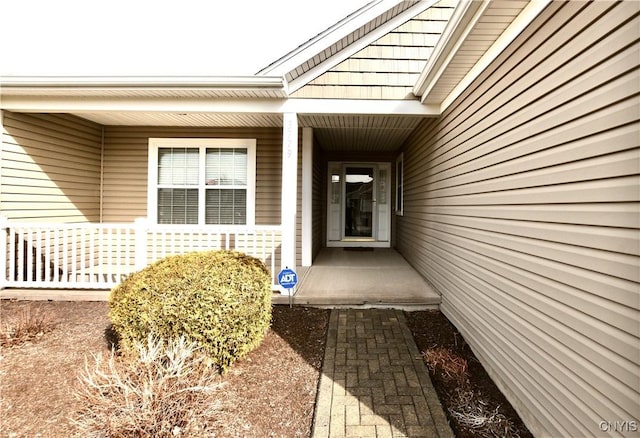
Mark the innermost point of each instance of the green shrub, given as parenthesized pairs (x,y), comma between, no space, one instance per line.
(219,299)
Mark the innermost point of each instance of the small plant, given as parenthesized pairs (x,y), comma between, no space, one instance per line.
(450,365)
(467,407)
(219,299)
(469,410)
(164,391)
(27,324)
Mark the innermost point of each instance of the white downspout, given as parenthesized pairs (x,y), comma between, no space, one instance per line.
(101,174)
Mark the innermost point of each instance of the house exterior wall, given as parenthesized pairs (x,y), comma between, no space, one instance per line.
(126,161)
(50,168)
(521,207)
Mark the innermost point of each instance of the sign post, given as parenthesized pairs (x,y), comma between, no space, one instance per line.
(287,278)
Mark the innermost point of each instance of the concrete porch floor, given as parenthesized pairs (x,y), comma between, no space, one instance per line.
(378,277)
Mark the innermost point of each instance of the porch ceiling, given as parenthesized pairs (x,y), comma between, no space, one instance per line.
(194,119)
(347,133)
(360,133)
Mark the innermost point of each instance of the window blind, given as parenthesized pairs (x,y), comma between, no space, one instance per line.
(221,192)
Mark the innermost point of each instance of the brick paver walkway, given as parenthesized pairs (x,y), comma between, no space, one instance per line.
(374,383)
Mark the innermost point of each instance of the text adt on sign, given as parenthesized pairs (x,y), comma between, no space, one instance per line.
(287,278)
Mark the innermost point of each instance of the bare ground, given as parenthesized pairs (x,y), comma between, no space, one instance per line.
(270,393)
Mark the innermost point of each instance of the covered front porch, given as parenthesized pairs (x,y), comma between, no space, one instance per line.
(88,225)
(349,277)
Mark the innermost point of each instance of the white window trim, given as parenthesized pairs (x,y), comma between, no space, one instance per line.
(399,183)
(202,143)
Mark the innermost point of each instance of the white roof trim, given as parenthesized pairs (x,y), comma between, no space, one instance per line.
(329,37)
(142,82)
(464,18)
(524,19)
(363,42)
(100,104)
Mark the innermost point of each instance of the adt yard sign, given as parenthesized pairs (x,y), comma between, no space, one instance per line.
(287,278)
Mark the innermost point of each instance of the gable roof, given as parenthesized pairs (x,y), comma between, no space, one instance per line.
(475,33)
(387,67)
(344,39)
(341,62)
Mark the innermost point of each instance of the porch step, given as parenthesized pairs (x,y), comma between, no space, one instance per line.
(428,303)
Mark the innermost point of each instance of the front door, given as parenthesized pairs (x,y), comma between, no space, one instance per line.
(358,207)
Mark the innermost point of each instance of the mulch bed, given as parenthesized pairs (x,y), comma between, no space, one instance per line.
(432,329)
(270,393)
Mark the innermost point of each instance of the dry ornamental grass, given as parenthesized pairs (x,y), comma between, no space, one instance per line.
(29,323)
(447,362)
(168,390)
(467,407)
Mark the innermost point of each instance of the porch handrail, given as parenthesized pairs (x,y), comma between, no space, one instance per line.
(100,255)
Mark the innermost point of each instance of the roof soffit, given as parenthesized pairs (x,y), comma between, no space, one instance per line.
(447,75)
(464,18)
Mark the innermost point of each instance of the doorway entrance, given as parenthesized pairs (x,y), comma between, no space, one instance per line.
(358,210)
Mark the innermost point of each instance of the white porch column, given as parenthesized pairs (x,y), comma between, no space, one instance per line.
(307,196)
(289,189)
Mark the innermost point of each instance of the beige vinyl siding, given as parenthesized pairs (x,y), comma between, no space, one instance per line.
(50,168)
(126,160)
(521,206)
(389,67)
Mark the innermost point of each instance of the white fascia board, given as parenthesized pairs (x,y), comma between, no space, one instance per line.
(361,106)
(358,45)
(67,104)
(464,18)
(524,19)
(329,37)
(25,83)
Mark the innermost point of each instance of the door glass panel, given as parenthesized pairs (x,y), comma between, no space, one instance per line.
(359,183)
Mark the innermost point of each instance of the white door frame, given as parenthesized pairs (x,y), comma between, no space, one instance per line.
(336,206)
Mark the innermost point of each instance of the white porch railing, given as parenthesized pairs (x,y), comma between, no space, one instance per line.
(99,256)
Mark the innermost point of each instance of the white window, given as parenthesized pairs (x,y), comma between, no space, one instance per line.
(400,185)
(202,181)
